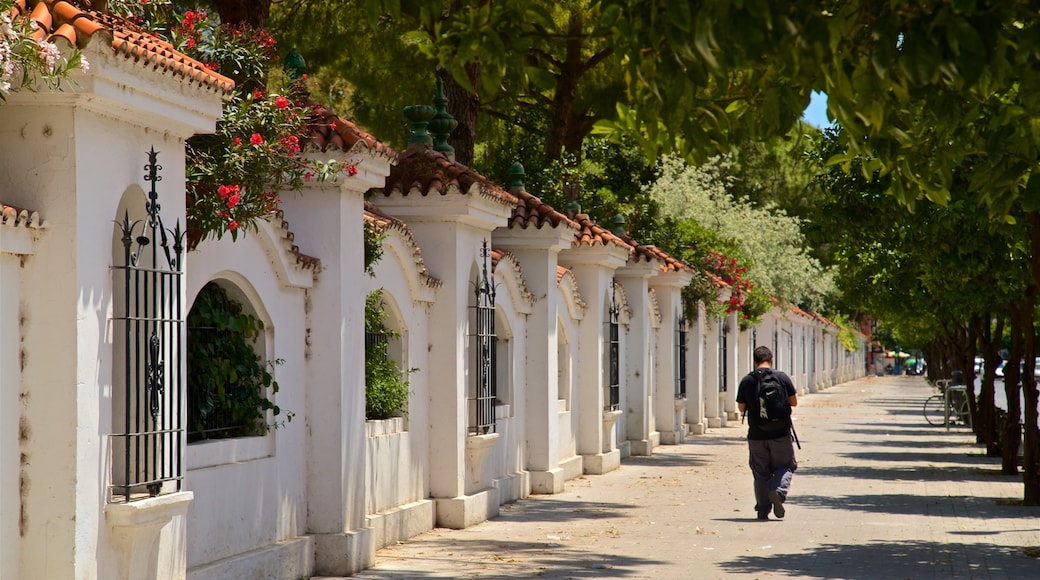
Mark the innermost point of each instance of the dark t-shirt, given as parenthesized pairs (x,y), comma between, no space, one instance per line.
(747,392)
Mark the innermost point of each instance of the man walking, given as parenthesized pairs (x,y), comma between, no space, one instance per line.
(766,396)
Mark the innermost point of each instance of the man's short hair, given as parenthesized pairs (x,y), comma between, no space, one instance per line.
(763,354)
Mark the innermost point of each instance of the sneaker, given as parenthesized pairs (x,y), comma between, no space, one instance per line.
(778,504)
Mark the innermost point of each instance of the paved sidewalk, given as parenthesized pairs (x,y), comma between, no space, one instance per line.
(878,494)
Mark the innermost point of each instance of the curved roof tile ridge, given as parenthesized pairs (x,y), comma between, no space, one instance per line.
(78,26)
(16,216)
(423,171)
(590,233)
(530,210)
(327,130)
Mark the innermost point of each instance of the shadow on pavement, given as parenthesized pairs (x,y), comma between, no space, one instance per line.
(915,473)
(968,458)
(671,460)
(915,505)
(504,559)
(912,443)
(901,430)
(903,559)
(550,509)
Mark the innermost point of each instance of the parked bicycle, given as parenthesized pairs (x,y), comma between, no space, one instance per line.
(935,410)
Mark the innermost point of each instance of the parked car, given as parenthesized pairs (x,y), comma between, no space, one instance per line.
(1021,369)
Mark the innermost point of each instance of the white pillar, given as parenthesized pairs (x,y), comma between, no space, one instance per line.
(593,267)
(636,387)
(336,371)
(538,253)
(670,411)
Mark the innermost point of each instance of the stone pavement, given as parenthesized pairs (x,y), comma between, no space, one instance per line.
(878,494)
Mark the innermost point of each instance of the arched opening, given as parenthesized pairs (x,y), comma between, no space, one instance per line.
(231,383)
(386,380)
(148,334)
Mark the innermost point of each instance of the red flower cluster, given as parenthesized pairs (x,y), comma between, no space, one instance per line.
(732,274)
(231,185)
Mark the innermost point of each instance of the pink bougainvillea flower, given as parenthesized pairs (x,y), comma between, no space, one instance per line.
(233,200)
(223,191)
(232,225)
(256,139)
(281,102)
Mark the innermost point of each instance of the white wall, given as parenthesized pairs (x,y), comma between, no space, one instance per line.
(250,492)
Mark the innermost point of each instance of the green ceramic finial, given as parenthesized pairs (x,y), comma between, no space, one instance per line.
(572,208)
(572,190)
(419,116)
(442,123)
(294,65)
(516,176)
(619,224)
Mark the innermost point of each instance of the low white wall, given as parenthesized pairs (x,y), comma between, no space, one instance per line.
(248,516)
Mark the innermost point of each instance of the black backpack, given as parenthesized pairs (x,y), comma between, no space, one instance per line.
(774,408)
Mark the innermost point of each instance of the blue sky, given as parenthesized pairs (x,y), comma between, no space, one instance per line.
(816,113)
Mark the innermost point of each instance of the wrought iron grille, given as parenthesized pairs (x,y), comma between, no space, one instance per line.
(723,355)
(377,344)
(482,401)
(613,395)
(147,447)
(680,358)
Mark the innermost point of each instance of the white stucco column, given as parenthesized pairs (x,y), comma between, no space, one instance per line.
(71,156)
(636,387)
(537,250)
(713,411)
(670,411)
(733,369)
(593,267)
(334,215)
(695,363)
(451,227)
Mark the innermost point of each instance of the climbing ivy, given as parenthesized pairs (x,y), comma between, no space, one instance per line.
(228,382)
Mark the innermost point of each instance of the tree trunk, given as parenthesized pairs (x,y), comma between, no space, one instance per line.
(984,421)
(251,12)
(464,106)
(1012,428)
(1031,452)
(566,91)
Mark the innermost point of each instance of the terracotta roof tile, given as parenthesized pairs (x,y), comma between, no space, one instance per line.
(422,170)
(61,19)
(326,129)
(668,262)
(16,216)
(590,233)
(532,211)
